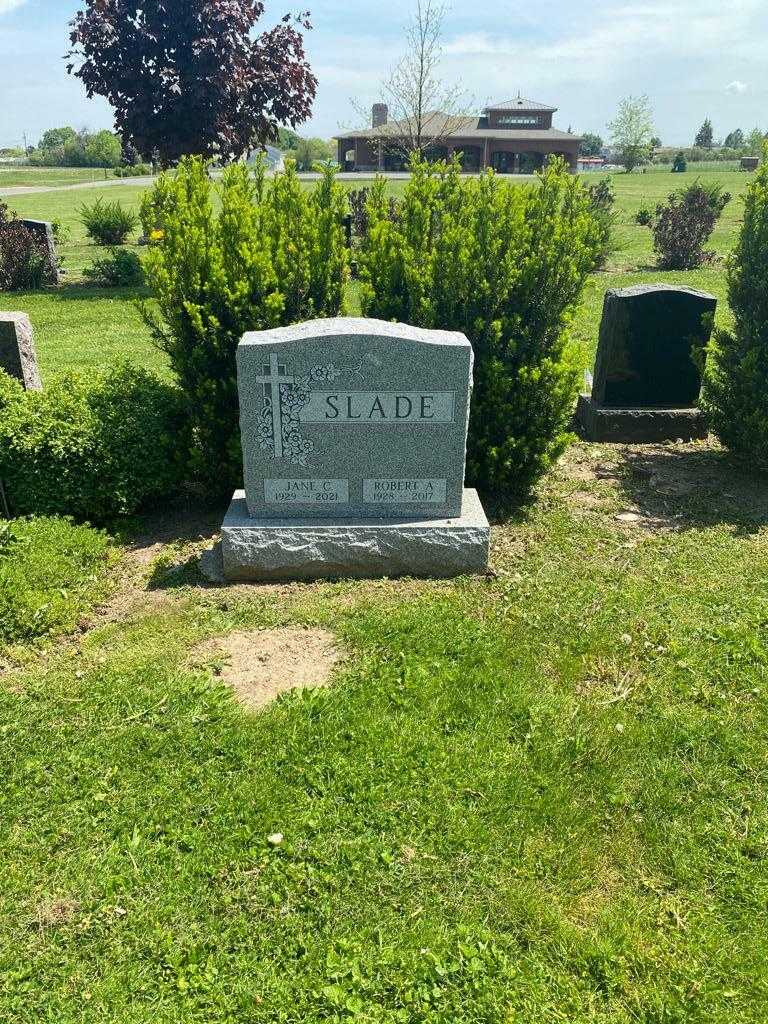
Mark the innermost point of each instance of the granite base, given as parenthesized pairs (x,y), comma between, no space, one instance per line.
(307,549)
(638,425)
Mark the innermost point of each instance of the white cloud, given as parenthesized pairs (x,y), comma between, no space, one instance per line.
(473,43)
(736,87)
(9,5)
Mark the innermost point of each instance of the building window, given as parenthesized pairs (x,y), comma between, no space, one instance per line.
(516,121)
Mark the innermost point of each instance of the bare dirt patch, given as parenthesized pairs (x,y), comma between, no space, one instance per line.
(260,664)
(55,912)
(664,487)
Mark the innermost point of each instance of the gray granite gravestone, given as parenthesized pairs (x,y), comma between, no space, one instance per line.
(43,231)
(354,439)
(17,350)
(649,365)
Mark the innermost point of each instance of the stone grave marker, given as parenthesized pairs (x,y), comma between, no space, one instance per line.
(43,231)
(17,350)
(354,440)
(649,365)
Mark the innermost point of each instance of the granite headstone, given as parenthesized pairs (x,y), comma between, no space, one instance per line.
(649,364)
(17,350)
(354,440)
(43,232)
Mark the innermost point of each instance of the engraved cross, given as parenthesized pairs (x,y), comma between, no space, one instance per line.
(274,376)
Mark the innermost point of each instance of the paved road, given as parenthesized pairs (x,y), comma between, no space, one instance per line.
(26,190)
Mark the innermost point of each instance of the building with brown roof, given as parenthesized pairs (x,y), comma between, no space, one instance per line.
(514,137)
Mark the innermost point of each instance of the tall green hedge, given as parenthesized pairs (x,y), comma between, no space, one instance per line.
(506,265)
(272,254)
(736,395)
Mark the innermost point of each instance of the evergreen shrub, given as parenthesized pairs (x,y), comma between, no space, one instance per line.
(108,223)
(273,254)
(121,269)
(736,393)
(506,265)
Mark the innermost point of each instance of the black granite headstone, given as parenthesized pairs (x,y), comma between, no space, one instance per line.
(651,348)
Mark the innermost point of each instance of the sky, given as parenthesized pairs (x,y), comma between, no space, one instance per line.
(693,58)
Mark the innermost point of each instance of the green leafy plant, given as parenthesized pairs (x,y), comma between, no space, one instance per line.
(108,223)
(133,171)
(23,256)
(736,395)
(121,269)
(644,217)
(602,200)
(271,255)
(682,226)
(506,265)
(91,447)
(679,164)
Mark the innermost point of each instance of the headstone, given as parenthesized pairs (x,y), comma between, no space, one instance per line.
(43,231)
(649,365)
(17,350)
(354,440)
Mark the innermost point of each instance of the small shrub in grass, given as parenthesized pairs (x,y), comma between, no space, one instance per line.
(91,447)
(682,226)
(51,572)
(121,269)
(644,217)
(108,223)
(736,395)
(602,200)
(23,255)
(679,164)
(270,256)
(506,265)
(133,171)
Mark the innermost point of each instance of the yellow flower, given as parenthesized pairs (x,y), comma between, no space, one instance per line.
(157,234)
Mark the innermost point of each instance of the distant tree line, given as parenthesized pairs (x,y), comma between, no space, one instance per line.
(742,144)
(65,147)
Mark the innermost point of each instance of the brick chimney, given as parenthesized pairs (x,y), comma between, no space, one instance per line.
(379,114)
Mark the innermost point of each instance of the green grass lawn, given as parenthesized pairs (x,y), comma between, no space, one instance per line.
(13,175)
(533,797)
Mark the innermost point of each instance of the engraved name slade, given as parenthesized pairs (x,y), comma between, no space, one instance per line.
(379,407)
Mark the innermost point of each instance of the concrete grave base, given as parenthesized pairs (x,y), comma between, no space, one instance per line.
(306,549)
(638,425)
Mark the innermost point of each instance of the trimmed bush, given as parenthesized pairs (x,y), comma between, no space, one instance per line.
(51,572)
(133,171)
(92,447)
(273,255)
(506,265)
(23,255)
(108,223)
(736,393)
(602,200)
(121,269)
(682,226)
